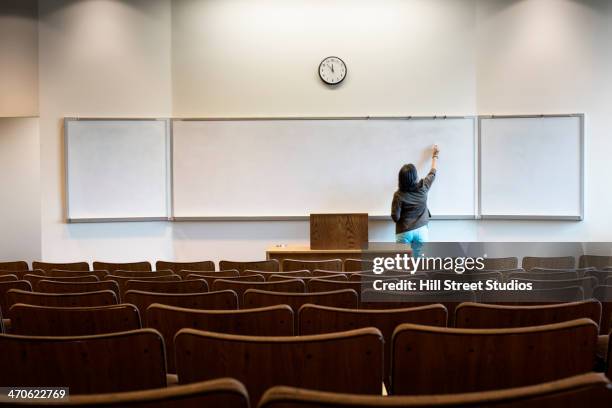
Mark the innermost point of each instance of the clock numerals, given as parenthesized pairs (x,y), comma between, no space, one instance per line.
(332,70)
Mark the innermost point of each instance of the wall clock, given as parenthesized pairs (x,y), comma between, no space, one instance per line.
(332,70)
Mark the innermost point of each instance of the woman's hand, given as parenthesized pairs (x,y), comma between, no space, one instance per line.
(436,151)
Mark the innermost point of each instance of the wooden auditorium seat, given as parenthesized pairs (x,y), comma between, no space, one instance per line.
(500,264)
(320,273)
(8,285)
(339,298)
(554,262)
(182,286)
(271,265)
(50,286)
(587,284)
(325,265)
(586,390)
(349,361)
(313,319)
(597,261)
(125,361)
(557,275)
(71,266)
(122,280)
(468,276)
(8,278)
(111,267)
(357,265)
(266,321)
(435,360)
(535,296)
(601,276)
(267,275)
(211,277)
(485,316)
(15,266)
(225,299)
(183,273)
(34,279)
(176,267)
(223,392)
(328,285)
(87,299)
(61,273)
(306,278)
(289,285)
(603,293)
(142,274)
(29,320)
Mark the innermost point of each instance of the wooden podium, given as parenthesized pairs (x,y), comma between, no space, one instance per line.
(338,231)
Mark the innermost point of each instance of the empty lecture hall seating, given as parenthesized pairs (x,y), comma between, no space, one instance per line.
(330,284)
(35,279)
(290,285)
(222,392)
(346,298)
(5,286)
(222,300)
(267,321)
(558,262)
(306,278)
(315,319)
(484,316)
(125,361)
(325,265)
(176,267)
(31,320)
(123,280)
(586,390)
(182,286)
(87,299)
(15,266)
(436,360)
(125,266)
(62,273)
(271,265)
(51,286)
(72,266)
(267,275)
(211,277)
(8,278)
(349,361)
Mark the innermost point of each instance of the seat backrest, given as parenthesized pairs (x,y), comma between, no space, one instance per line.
(225,299)
(484,316)
(34,279)
(14,266)
(328,285)
(349,361)
(587,284)
(111,267)
(324,264)
(49,286)
(267,321)
(267,275)
(87,299)
(8,285)
(532,297)
(71,266)
(223,392)
(183,273)
(142,274)
(315,319)
(21,274)
(559,275)
(597,261)
(603,293)
(434,360)
(125,361)
(551,262)
(500,264)
(346,298)
(54,273)
(319,273)
(29,320)
(289,285)
(305,278)
(210,278)
(601,276)
(468,276)
(271,265)
(356,265)
(8,278)
(182,286)
(176,267)
(585,390)
(122,280)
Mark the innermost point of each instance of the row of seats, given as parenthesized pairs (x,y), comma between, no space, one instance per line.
(528,263)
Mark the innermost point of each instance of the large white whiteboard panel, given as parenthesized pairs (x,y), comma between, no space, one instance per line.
(286,168)
(117,169)
(532,167)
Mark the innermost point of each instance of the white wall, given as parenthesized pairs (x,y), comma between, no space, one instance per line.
(18,58)
(259,57)
(20,192)
(99,58)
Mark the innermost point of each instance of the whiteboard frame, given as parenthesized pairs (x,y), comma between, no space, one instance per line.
(169,209)
(579,217)
(377,217)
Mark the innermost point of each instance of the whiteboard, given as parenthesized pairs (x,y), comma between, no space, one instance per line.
(532,167)
(117,169)
(293,167)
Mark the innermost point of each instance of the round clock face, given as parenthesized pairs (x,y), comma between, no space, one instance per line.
(332,70)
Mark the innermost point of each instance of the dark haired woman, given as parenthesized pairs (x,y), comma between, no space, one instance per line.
(409,208)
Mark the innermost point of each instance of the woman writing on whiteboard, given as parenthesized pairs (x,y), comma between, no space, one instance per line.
(409,207)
